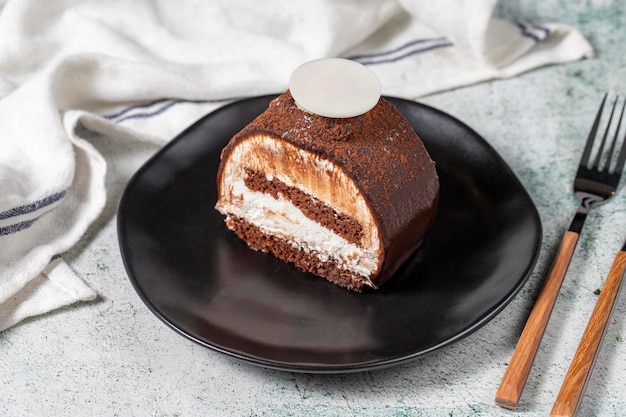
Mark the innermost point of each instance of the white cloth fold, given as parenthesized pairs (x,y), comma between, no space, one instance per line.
(147,68)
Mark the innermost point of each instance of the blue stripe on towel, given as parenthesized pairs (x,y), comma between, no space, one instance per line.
(133,107)
(414,47)
(29,208)
(543,29)
(122,115)
(33,209)
(530,31)
(14,228)
(149,114)
(398,49)
(148,110)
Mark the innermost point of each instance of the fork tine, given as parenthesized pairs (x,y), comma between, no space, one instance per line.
(596,164)
(584,160)
(615,136)
(619,166)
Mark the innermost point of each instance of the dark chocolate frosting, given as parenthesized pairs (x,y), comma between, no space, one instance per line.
(384,156)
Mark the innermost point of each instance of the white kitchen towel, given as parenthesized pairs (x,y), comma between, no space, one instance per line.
(145,69)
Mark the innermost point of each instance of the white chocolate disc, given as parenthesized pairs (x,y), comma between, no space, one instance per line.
(335,87)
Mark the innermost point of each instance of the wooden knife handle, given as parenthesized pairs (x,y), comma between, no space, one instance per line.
(517,371)
(575,382)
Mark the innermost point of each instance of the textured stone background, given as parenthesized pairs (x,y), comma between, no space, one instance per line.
(112,357)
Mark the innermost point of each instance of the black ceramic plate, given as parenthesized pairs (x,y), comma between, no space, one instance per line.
(203,282)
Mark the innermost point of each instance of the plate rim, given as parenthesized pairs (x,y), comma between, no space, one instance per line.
(332,368)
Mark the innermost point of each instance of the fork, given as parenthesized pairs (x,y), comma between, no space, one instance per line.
(595,183)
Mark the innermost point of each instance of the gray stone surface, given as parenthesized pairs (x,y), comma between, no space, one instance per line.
(112,357)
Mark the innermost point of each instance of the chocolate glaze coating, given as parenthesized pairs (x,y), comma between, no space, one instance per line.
(381,152)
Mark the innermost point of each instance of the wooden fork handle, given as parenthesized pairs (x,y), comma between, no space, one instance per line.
(575,382)
(517,371)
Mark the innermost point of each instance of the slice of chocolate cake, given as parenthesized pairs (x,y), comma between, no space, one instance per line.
(346,198)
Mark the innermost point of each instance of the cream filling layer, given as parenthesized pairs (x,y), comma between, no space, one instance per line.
(280,218)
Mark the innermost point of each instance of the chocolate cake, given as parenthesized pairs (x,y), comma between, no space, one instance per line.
(348,199)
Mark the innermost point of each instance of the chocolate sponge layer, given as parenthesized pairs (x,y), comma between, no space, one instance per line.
(345,226)
(286,252)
